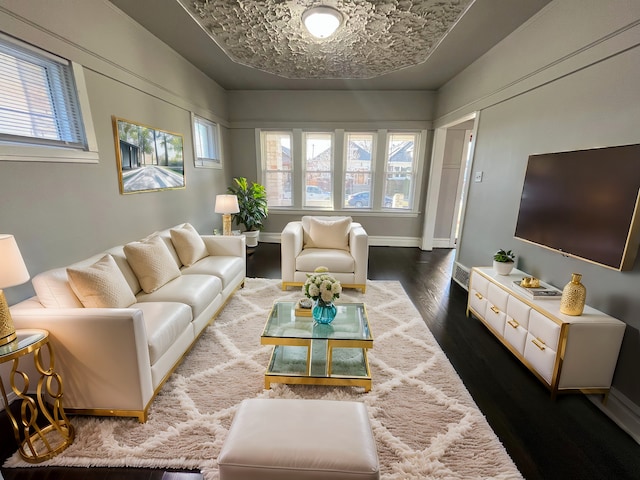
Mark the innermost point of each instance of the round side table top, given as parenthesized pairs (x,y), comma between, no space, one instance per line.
(28,340)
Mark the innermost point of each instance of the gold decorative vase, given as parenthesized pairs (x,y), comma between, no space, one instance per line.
(574,295)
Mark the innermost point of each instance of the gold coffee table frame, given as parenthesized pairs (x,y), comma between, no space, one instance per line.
(45,429)
(349,330)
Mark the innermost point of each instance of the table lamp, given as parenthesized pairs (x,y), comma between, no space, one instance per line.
(13,272)
(226,204)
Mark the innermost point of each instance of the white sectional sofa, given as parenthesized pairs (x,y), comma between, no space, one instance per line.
(122,320)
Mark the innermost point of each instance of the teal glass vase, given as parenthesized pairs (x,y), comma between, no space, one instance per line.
(323,312)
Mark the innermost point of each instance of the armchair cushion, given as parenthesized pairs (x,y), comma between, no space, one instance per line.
(337,261)
(327,232)
(152,263)
(101,285)
(188,244)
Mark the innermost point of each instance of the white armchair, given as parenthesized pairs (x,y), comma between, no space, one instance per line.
(333,242)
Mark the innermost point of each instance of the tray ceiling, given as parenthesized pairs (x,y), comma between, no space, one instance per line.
(382,44)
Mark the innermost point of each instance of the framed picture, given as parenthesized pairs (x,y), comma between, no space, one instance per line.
(149,159)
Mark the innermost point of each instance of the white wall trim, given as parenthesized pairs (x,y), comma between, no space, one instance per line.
(442,243)
(374,241)
(42,37)
(11,397)
(599,50)
(335,125)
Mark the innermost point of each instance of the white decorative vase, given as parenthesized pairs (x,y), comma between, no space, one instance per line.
(252,238)
(503,268)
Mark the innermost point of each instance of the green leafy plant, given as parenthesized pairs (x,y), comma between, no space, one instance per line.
(252,202)
(504,256)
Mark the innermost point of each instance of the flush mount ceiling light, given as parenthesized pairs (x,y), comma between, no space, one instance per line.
(322,22)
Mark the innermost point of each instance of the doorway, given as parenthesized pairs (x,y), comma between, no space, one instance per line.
(451,162)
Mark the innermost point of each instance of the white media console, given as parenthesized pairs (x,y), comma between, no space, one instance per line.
(566,353)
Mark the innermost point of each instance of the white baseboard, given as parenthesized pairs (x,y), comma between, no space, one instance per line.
(376,241)
(621,410)
(442,243)
(11,397)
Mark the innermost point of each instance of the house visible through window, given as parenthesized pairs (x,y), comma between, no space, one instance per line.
(277,167)
(38,100)
(400,169)
(318,170)
(358,176)
(206,140)
(299,168)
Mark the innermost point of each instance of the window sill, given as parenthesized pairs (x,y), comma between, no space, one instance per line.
(345,212)
(25,153)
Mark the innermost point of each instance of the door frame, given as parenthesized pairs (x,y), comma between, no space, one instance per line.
(435,177)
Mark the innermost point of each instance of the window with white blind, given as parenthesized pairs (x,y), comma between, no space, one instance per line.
(207,144)
(39,103)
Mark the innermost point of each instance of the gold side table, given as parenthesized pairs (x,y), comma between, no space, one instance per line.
(43,425)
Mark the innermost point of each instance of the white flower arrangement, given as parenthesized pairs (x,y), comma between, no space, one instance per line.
(321,285)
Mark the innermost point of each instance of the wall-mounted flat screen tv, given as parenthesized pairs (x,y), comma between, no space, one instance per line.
(584,204)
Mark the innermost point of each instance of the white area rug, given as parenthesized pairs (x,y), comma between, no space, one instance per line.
(425,422)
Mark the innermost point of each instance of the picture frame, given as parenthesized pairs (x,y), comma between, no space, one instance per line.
(149,159)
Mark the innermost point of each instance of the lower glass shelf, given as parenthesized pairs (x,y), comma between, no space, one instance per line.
(345,362)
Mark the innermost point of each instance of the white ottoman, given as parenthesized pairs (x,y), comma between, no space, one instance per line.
(281,439)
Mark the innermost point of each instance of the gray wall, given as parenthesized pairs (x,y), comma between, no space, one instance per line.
(331,110)
(567,80)
(62,212)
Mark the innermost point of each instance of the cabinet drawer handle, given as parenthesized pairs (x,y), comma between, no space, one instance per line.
(479,296)
(495,309)
(513,323)
(538,343)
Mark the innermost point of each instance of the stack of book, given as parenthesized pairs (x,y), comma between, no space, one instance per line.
(539,293)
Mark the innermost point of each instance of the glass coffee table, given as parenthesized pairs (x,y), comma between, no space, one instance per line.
(313,354)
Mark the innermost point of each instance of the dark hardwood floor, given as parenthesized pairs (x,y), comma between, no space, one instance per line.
(569,438)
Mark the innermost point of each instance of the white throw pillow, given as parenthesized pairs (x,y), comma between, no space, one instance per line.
(329,233)
(152,263)
(101,285)
(189,244)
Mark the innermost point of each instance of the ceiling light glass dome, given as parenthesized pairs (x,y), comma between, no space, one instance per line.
(322,22)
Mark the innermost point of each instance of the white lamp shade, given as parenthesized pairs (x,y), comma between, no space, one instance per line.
(13,271)
(322,22)
(226,204)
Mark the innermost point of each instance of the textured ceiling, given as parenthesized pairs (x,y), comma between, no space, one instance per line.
(257,46)
(376,37)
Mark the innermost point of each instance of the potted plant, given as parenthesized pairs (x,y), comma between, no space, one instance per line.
(503,261)
(252,202)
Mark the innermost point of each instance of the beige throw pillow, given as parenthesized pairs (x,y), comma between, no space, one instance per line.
(101,285)
(189,244)
(152,263)
(324,233)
